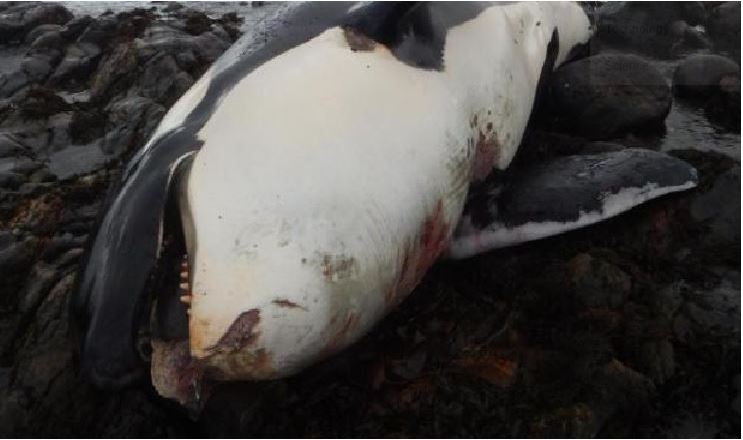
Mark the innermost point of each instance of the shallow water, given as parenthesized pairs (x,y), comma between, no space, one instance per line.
(251,14)
(688,128)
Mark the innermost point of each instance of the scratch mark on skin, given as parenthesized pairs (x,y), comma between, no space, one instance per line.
(420,256)
(338,339)
(288,304)
(240,334)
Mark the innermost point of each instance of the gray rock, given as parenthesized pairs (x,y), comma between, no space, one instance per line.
(657,360)
(16,21)
(724,26)
(75,27)
(28,189)
(608,95)
(114,72)
(719,208)
(723,107)
(11,180)
(77,65)
(20,165)
(38,66)
(130,121)
(597,283)
(12,82)
(38,31)
(649,27)
(699,76)
(76,160)
(99,31)
(14,253)
(9,146)
(162,81)
(59,128)
(40,281)
(68,258)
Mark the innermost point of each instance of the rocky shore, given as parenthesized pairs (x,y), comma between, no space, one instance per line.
(628,328)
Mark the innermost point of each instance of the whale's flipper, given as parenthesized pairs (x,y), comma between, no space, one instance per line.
(111,301)
(564,194)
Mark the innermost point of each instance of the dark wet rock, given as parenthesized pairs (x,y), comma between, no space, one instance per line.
(196,22)
(12,82)
(131,24)
(21,18)
(597,283)
(115,69)
(724,26)
(21,165)
(699,76)
(75,27)
(172,7)
(11,180)
(99,31)
(131,120)
(15,253)
(41,279)
(40,103)
(719,208)
(645,342)
(38,67)
(59,127)
(659,28)
(44,29)
(9,146)
(723,107)
(656,358)
(163,81)
(607,95)
(77,160)
(87,126)
(77,65)
(711,312)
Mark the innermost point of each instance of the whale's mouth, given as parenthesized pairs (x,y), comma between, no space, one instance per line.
(163,337)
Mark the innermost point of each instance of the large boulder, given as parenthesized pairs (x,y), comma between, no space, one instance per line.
(699,76)
(17,20)
(659,28)
(711,82)
(608,95)
(724,26)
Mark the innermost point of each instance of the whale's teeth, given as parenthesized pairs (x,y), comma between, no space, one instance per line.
(184,286)
(186,299)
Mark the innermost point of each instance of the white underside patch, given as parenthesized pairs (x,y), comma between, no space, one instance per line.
(472,241)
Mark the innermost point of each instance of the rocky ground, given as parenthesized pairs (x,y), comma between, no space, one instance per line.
(628,328)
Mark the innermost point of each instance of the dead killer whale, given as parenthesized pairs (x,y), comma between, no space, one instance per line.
(304,185)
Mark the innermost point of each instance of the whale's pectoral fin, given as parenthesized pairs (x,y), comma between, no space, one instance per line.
(111,302)
(564,194)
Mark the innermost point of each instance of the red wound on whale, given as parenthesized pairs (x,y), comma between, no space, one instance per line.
(240,333)
(418,257)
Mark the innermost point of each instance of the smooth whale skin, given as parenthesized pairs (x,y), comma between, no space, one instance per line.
(320,167)
(332,177)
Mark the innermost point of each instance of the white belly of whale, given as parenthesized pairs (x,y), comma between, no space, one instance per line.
(331,179)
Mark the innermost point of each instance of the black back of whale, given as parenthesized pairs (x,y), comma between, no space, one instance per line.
(112,298)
